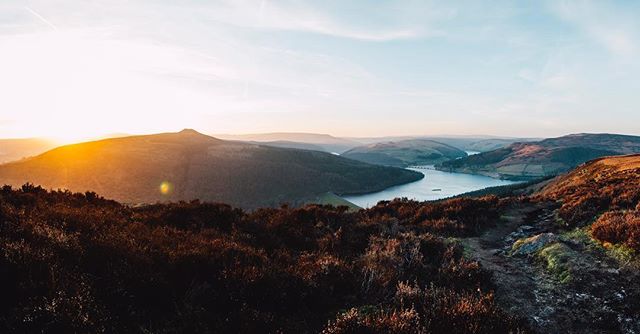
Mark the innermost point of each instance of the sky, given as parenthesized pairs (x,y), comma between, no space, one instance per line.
(73,69)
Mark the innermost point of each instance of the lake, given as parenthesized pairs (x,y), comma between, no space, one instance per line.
(434,185)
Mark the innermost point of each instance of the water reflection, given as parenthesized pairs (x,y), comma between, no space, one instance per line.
(435,185)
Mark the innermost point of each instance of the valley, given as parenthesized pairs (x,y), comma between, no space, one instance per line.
(195,166)
(539,258)
(404,153)
(434,186)
(319,167)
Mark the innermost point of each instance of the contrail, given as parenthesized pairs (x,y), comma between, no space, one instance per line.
(41,18)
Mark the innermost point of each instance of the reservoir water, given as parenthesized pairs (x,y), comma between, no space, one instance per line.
(434,185)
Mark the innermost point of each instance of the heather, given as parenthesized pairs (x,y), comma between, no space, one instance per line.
(75,262)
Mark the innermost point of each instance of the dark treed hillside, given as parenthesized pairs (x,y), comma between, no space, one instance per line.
(195,166)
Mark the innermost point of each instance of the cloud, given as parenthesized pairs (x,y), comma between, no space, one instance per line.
(41,18)
(301,64)
(615,28)
(300,17)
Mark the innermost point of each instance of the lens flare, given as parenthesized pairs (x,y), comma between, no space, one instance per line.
(165,188)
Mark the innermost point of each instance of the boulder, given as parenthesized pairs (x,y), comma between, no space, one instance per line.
(532,244)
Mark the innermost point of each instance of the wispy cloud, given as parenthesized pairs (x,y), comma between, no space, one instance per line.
(304,65)
(41,18)
(615,28)
(301,17)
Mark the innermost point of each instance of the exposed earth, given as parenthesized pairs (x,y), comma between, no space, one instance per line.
(563,282)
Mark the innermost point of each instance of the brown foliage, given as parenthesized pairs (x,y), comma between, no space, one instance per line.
(80,263)
(428,310)
(458,216)
(618,227)
(590,190)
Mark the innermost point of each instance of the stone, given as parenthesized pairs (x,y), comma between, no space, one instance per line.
(532,244)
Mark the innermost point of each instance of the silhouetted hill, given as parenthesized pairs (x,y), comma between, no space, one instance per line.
(16,149)
(326,142)
(405,153)
(195,166)
(544,158)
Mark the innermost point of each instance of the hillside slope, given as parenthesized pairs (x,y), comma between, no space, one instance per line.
(78,263)
(544,158)
(405,153)
(189,165)
(610,183)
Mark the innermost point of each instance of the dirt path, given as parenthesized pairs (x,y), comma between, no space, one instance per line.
(599,298)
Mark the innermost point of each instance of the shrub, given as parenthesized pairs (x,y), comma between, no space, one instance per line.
(80,263)
(618,227)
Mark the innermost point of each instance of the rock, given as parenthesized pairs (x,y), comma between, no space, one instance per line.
(533,244)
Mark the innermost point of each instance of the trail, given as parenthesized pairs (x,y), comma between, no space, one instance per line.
(600,298)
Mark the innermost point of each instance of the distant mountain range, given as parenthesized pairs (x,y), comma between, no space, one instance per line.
(475,143)
(551,156)
(328,143)
(405,153)
(299,140)
(16,149)
(189,165)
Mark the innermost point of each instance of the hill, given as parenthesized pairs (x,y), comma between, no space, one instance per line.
(405,153)
(605,184)
(311,141)
(16,149)
(293,144)
(486,145)
(562,260)
(188,165)
(474,143)
(77,263)
(544,158)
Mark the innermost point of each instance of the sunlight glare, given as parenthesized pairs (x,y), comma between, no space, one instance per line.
(165,188)
(71,86)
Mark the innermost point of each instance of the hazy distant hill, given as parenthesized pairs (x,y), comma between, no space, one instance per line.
(547,157)
(486,145)
(405,153)
(477,143)
(292,144)
(132,169)
(325,142)
(15,149)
